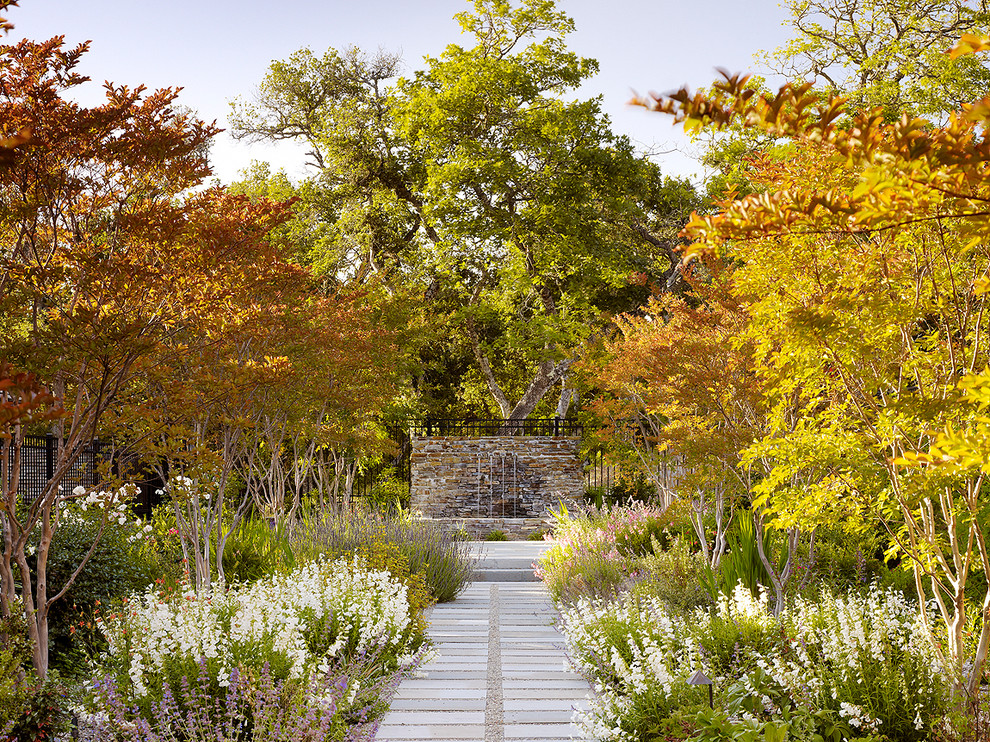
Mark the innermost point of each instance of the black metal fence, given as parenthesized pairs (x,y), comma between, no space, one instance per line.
(398,464)
(553,426)
(39,457)
(601,474)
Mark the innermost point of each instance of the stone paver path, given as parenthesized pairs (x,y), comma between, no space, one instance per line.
(498,675)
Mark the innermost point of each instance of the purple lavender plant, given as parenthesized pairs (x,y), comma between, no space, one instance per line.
(343,705)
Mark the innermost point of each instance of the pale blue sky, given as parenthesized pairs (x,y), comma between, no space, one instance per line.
(219,49)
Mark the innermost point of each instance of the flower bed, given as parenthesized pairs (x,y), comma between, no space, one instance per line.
(333,632)
(847,665)
(642,614)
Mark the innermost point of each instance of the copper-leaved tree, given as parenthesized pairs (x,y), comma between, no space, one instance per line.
(118,281)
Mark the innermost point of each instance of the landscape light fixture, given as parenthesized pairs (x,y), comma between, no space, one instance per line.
(699,678)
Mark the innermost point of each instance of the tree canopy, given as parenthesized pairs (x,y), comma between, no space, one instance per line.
(478,188)
(160,314)
(887,53)
(866,259)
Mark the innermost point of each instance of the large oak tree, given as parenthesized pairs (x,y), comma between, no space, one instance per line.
(513,213)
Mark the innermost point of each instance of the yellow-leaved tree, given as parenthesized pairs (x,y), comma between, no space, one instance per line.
(866,251)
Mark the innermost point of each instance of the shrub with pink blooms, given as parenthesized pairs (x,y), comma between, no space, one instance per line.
(593,554)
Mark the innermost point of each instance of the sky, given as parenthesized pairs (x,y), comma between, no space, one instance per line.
(218,50)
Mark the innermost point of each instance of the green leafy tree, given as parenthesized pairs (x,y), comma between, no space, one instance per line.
(517,215)
(886,53)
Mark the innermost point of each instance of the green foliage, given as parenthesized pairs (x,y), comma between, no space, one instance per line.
(121,564)
(496,535)
(741,564)
(389,492)
(164,539)
(596,496)
(394,559)
(30,709)
(733,639)
(257,547)
(570,576)
(891,55)
(44,714)
(674,575)
(759,709)
(477,183)
(15,657)
(625,490)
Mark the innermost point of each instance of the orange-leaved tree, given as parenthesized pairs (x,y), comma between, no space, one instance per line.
(84,291)
(117,282)
(681,381)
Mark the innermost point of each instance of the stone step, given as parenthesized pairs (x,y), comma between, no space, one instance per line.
(507,561)
(483,573)
(522,562)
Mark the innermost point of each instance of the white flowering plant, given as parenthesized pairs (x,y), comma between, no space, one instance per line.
(118,565)
(759,708)
(858,665)
(298,627)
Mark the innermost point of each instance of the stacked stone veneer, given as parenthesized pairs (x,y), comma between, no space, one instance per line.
(508,483)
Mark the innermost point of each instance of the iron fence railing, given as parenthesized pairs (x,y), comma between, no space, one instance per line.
(39,457)
(601,474)
(553,426)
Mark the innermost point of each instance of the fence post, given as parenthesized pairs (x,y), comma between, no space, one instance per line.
(49,456)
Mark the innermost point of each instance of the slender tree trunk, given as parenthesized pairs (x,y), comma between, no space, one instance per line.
(567,395)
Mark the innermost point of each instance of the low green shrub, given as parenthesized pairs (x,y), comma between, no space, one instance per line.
(389,493)
(256,548)
(15,656)
(496,535)
(44,715)
(122,563)
(674,576)
(759,708)
(596,552)
(30,709)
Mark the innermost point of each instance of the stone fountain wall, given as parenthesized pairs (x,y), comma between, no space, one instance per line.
(508,483)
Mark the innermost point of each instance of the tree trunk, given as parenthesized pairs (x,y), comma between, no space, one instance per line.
(567,395)
(547,375)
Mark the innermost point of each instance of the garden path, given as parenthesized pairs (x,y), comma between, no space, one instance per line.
(498,675)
